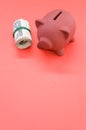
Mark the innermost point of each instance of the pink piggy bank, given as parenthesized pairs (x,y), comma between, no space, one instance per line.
(55,31)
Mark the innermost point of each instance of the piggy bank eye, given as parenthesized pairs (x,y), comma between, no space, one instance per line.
(57,15)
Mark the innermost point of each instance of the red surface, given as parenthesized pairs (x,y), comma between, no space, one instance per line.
(39,90)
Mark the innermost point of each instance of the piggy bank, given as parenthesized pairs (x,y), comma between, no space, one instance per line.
(55,31)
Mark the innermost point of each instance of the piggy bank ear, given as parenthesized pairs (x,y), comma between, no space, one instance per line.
(38,23)
(65,32)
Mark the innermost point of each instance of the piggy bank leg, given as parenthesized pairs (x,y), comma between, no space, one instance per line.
(60,52)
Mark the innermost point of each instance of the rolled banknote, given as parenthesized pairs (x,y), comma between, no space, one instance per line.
(22,34)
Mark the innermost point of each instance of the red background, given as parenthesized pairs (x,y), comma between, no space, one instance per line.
(39,90)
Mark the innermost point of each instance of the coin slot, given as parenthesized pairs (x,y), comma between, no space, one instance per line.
(57,15)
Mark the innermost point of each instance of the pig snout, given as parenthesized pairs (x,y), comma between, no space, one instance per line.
(44,43)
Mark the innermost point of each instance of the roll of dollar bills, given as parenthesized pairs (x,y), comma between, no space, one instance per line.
(22,34)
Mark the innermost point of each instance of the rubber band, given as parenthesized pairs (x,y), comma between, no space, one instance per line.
(20,28)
